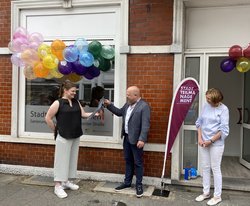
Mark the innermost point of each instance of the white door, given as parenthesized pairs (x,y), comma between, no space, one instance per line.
(245,132)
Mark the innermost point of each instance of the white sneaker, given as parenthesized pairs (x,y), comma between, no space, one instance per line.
(214,201)
(70,185)
(59,191)
(202,197)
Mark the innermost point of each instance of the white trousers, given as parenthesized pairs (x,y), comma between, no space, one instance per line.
(66,158)
(211,159)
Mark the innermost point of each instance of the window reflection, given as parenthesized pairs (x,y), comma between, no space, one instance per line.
(190,149)
(192,69)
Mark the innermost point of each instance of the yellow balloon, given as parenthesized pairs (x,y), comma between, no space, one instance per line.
(50,61)
(55,73)
(243,64)
(49,76)
(43,50)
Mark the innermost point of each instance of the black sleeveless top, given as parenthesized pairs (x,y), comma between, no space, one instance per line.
(69,119)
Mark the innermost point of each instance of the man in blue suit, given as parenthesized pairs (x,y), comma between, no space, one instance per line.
(135,127)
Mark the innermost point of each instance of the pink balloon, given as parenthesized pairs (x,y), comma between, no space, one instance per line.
(16,60)
(20,32)
(34,45)
(18,44)
(36,37)
(30,56)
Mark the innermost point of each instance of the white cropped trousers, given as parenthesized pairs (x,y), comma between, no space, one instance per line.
(211,159)
(66,158)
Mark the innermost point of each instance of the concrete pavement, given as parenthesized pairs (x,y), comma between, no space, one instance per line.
(20,190)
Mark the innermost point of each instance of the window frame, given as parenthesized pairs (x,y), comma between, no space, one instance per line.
(120,76)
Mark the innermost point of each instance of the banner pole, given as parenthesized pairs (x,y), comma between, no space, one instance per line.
(168,131)
(170,121)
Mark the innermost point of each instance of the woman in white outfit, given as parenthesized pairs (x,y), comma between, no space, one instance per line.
(213,128)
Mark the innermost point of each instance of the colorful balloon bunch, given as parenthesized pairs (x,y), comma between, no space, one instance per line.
(40,60)
(238,58)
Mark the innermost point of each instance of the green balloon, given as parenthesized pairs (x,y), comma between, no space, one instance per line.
(104,64)
(95,48)
(108,52)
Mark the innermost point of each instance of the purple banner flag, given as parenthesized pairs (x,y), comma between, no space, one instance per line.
(183,98)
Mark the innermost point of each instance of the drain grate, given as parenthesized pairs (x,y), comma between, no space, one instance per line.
(161,193)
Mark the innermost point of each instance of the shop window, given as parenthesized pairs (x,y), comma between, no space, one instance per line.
(32,98)
(41,93)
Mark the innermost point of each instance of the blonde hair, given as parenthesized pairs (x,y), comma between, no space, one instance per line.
(215,95)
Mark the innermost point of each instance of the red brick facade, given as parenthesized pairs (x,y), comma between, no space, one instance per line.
(149,24)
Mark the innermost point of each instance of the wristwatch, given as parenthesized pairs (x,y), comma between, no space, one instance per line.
(211,141)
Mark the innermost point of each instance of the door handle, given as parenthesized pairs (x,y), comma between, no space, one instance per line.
(240,115)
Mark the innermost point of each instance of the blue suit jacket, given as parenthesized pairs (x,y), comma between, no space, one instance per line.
(139,121)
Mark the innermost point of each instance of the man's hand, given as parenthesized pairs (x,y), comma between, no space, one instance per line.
(140,144)
(106,102)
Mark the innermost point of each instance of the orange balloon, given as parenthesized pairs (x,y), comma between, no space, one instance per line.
(40,71)
(57,47)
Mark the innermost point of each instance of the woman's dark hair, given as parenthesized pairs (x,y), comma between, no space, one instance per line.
(65,85)
(97,94)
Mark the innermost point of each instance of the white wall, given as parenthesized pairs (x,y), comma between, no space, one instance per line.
(217,27)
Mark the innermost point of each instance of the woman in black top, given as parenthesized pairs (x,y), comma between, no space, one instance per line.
(68,112)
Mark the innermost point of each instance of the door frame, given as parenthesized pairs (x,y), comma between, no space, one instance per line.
(204,81)
(246,126)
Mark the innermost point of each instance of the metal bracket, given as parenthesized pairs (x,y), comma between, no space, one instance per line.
(67,4)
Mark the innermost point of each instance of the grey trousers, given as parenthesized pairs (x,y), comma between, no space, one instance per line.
(66,158)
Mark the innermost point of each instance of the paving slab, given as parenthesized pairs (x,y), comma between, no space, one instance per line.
(14,191)
(42,181)
(110,187)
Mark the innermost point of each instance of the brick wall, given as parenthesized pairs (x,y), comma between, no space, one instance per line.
(153,74)
(5,94)
(150,23)
(90,159)
(5,22)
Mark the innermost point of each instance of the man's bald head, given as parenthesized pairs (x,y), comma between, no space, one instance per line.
(133,94)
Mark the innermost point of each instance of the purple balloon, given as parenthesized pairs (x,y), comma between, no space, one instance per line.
(88,76)
(65,67)
(78,68)
(227,65)
(70,53)
(94,71)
